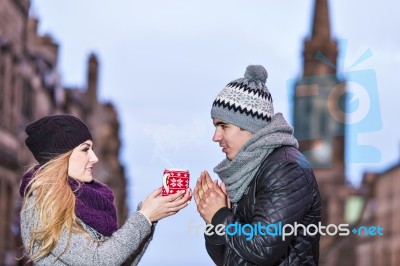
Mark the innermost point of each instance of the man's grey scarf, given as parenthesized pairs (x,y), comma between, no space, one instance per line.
(238,173)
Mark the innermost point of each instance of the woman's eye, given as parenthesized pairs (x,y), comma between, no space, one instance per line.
(85,150)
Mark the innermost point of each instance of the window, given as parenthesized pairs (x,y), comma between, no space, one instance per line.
(5,211)
(27,100)
(2,78)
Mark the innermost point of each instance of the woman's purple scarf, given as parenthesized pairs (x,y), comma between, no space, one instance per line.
(94,203)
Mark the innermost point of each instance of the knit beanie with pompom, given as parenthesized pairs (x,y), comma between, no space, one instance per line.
(245,102)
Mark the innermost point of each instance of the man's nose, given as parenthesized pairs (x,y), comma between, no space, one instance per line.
(217,136)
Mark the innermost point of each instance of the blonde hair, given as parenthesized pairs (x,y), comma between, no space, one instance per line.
(55,203)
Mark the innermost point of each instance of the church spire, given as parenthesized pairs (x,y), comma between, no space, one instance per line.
(321,27)
(319,115)
(320,51)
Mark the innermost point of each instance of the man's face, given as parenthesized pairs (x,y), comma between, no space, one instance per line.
(230,137)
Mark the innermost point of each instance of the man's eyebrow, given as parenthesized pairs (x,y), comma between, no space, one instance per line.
(220,123)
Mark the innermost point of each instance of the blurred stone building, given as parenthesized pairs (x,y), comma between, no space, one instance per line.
(382,204)
(30,87)
(319,124)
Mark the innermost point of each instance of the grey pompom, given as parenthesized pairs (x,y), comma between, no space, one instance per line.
(256,73)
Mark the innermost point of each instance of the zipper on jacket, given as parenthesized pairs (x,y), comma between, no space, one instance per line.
(234,207)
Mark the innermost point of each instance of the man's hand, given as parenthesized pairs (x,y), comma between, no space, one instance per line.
(203,183)
(223,188)
(211,201)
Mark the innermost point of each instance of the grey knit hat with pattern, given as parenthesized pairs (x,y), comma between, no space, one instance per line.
(245,102)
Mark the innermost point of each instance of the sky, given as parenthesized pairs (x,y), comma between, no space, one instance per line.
(162,63)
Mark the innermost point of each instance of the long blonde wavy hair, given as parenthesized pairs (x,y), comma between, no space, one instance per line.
(55,203)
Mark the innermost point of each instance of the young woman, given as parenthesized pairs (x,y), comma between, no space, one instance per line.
(68,218)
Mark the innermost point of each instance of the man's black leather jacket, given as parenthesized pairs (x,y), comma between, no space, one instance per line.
(284,191)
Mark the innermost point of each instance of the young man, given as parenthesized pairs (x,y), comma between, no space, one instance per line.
(268,186)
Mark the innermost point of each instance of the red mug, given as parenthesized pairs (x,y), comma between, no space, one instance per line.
(175,180)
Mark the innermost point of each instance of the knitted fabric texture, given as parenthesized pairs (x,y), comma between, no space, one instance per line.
(54,135)
(238,173)
(125,247)
(245,102)
(94,203)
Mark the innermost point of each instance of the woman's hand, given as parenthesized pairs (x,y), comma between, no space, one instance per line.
(156,207)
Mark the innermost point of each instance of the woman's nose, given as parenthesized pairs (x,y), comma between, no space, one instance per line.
(93,158)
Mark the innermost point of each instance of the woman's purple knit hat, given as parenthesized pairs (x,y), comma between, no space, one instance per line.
(54,135)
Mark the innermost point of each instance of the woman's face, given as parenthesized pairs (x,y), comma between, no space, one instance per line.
(81,162)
